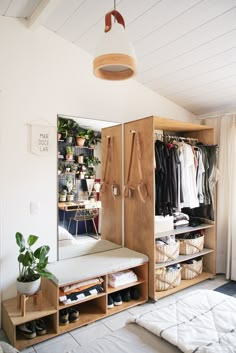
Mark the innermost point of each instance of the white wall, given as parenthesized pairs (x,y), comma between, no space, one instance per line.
(41,76)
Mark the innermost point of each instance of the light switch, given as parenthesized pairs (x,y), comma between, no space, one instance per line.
(34,208)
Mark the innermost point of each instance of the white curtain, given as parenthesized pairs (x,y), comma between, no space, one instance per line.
(225,133)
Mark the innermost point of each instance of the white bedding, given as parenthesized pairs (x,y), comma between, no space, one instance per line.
(202,322)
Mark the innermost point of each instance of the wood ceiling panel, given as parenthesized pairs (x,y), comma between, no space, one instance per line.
(62,14)
(215,46)
(83,19)
(183,24)
(203,36)
(22,8)
(171,84)
(4,4)
(158,16)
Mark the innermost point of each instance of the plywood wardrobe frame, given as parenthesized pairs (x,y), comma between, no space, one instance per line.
(139,216)
(112,206)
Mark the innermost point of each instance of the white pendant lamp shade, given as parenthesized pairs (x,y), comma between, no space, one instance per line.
(115,56)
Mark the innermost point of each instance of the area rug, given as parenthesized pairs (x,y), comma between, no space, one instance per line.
(228,288)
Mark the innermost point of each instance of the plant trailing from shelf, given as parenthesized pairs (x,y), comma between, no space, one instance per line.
(93,138)
(61,128)
(32,264)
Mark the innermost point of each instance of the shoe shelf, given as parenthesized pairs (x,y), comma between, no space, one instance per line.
(116,289)
(91,308)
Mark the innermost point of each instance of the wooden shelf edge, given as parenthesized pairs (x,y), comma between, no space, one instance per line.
(182,230)
(182,258)
(22,343)
(185,283)
(84,300)
(117,289)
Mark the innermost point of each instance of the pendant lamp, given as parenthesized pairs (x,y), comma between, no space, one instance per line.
(115,56)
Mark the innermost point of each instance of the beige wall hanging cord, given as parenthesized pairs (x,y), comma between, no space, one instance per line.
(141,186)
(115,189)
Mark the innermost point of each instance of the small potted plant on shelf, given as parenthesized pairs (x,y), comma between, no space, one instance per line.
(72,130)
(32,264)
(70,196)
(92,161)
(93,138)
(81,137)
(61,128)
(62,195)
(69,153)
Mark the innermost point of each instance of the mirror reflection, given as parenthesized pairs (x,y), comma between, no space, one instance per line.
(79,178)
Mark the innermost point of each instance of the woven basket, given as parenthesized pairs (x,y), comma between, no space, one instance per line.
(190,271)
(167,252)
(167,279)
(191,246)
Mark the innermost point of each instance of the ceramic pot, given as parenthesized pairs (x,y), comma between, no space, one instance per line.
(80,141)
(28,288)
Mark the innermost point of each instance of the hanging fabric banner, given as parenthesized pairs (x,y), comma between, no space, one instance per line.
(41,136)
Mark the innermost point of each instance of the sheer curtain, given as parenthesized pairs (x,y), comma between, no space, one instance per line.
(225,130)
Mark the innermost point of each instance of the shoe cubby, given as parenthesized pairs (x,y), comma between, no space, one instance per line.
(91,307)
(12,317)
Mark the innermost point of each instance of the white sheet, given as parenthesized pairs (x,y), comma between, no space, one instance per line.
(202,322)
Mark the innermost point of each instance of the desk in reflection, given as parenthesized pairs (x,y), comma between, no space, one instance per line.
(83,211)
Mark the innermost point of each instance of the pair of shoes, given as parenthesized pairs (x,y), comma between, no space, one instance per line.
(68,315)
(114,299)
(32,329)
(130,293)
(135,293)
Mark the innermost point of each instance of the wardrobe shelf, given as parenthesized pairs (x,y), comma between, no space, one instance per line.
(182,230)
(182,258)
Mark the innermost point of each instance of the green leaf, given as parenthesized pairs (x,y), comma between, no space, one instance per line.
(20,241)
(32,239)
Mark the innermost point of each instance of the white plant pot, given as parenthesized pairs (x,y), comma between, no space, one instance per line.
(28,288)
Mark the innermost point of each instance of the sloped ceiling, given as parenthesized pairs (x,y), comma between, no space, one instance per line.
(186,49)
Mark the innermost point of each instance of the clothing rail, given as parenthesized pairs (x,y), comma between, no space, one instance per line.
(176,137)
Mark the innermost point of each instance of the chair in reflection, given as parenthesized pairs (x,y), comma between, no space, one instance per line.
(84,215)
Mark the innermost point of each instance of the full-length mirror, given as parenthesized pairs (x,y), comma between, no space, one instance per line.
(84,160)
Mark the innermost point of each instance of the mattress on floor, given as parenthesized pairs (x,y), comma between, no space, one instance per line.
(130,339)
(204,321)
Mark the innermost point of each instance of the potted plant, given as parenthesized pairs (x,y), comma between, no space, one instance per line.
(92,161)
(70,196)
(69,153)
(93,138)
(61,128)
(72,128)
(81,137)
(32,264)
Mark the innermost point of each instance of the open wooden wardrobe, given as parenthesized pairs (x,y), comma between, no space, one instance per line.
(195,259)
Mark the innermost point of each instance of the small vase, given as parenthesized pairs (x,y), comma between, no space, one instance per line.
(28,288)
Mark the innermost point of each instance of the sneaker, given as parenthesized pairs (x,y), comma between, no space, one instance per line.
(135,293)
(117,298)
(40,327)
(73,315)
(27,330)
(125,295)
(110,303)
(64,317)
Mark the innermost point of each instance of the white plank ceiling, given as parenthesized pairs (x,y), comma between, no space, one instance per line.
(186,49)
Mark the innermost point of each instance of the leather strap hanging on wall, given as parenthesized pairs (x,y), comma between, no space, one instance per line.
(115,189)
(139,184)
(117,16)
